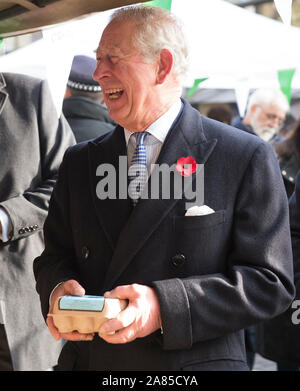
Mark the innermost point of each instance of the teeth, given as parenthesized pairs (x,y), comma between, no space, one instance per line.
(113,90)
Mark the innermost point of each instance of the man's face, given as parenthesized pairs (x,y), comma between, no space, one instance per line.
(128,82)
(266,120)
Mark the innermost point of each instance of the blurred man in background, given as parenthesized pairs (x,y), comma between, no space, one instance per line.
(82,106)
(265,113)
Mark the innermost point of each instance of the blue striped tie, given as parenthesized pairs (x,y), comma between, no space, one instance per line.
(137,172)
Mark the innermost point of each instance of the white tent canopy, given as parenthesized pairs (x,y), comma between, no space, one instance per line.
(236,49)
(231,46)
(228,40)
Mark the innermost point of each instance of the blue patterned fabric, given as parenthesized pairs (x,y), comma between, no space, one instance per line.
(137,172)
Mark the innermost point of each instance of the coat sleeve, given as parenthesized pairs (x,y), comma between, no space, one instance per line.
(28,211)
(258,282)
(55,264)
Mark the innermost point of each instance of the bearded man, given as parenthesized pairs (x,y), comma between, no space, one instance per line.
(265,114)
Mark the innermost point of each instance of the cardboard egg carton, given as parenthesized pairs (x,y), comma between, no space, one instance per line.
(84,314)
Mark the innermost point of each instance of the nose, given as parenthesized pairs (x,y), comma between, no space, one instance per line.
(275,122)
(96,73)
(101,70)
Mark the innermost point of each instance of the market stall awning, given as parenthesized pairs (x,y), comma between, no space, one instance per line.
(25,16)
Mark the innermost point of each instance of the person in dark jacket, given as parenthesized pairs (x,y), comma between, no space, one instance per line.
(288,154)
(82,106)
(265,112)
(278,338)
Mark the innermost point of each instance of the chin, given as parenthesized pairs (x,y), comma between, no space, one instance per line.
(266,135)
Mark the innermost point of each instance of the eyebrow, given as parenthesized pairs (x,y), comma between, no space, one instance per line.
(115,49)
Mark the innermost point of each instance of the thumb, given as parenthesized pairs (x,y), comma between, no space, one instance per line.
(73,288)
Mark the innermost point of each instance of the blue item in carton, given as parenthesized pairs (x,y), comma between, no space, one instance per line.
(82,303)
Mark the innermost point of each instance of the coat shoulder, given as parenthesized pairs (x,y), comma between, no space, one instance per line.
(81,149)
(231,141)
(24,91)
(228,133)
(18,80)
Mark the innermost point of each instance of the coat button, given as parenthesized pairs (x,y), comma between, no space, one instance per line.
(178,260)
(21,231)
(85,252)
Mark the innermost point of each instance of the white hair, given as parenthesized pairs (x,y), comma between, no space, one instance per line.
(265,96)
(156,29)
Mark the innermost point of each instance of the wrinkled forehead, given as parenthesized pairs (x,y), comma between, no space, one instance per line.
(273,108)
(117,37)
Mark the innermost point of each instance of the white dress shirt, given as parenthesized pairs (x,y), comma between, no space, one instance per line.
(158,131)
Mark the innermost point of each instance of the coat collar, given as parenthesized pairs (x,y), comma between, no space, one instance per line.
(125,227)
(3,94)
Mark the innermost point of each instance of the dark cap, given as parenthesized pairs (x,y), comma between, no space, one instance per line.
(81,75)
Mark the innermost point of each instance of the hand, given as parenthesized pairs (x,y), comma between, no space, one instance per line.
(140,318)
(72,288)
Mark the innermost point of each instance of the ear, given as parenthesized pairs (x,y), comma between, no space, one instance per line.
(165,65)
(67,93)
(253,108)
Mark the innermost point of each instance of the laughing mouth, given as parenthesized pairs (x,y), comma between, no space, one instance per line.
(114,93)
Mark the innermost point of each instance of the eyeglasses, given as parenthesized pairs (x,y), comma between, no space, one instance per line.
(273,117)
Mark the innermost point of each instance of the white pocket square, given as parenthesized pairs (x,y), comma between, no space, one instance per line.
(199,211)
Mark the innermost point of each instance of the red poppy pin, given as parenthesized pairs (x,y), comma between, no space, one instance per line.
(186,166)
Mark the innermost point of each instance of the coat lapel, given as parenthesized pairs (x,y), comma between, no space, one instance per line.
(3,94)
(181,141)
(112,212)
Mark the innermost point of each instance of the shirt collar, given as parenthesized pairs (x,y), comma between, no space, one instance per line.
(159,128)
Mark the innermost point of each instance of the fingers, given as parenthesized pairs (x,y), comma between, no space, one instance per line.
(117,330)
(124,319)
(122,336)
(73,288)
(76,336)
(53,330)
(70,287)
(122,329)
(125,291)
(139,319)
